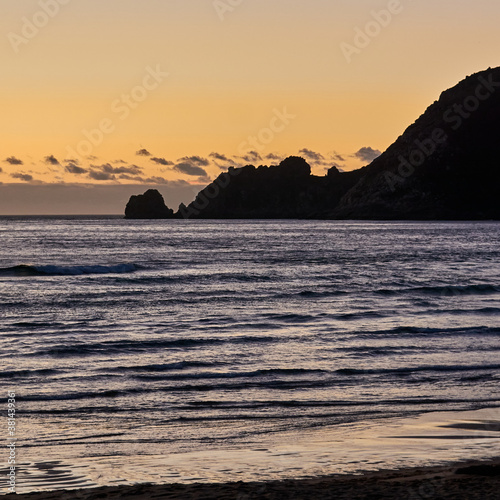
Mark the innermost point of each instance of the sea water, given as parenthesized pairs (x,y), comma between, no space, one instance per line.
(139,339)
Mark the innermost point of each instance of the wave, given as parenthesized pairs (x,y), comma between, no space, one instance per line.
(119,346)
(446,290)
(265,376)
(181,365)
(28,373)
(51,270)
(416,369)
(309,378)
(422,332)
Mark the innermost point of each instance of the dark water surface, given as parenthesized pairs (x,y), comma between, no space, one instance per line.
(126,338)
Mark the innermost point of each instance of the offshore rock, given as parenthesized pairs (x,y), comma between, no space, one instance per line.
(149,205)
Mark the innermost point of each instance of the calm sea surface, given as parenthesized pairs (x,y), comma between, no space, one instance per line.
(128,338)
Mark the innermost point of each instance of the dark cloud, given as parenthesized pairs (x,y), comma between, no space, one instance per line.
(92,158)
(109,169)
(222,161)
(367,154)
(190,169)
(272,156)
(119,162)
(91,197)
(101,176)
(51,160)
(131,169)
(194,160)
(1,169)
(162,161)
(335,156)
(14,161)
(156,180)
(204,179)
(311,155)
(73,168)
(22,177)
(252,156)
(143,152)
(135,178)
(145,180)
(219,157)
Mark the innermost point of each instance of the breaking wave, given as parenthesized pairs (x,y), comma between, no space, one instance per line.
(51,270)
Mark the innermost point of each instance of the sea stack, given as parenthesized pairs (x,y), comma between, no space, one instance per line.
(149,205)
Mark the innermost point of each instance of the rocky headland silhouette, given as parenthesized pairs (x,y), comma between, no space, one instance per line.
(446,166)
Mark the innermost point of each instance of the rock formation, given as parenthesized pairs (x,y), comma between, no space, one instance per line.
(149,205)
(444,166)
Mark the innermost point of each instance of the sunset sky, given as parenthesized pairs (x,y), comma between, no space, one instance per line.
(185,83)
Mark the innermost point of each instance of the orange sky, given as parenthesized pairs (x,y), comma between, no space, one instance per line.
(186,79)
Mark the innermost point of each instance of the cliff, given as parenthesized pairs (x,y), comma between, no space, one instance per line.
(444,166)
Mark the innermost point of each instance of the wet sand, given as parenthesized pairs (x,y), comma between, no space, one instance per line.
(473,480)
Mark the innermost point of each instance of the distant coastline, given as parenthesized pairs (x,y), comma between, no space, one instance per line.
(444,167)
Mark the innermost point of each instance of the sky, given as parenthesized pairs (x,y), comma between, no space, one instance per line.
(101,99)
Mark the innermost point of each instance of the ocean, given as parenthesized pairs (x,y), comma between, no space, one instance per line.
(173,350)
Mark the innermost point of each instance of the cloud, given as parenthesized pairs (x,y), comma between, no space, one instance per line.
(131,169)
(13,160)
(223,162)
(312,155)
(1,169)
(204,180)
(337,157)
(252,156)
(73,168)
(190,169)
(367,154)
(101,176)
(131,177)
(195,160)
(119,161)
(143,152)
(272,156)
(219,157)
(51,160)
(109,169)
(156,180)
(162,161)
(145,180)
(22,177)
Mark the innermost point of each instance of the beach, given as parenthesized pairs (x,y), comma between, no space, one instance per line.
(437,445)
(473,480)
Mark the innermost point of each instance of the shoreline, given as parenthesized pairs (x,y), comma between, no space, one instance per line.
(459,480)
(347,461)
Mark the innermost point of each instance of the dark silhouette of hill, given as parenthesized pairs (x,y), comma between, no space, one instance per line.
(285,191)
(444,166)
